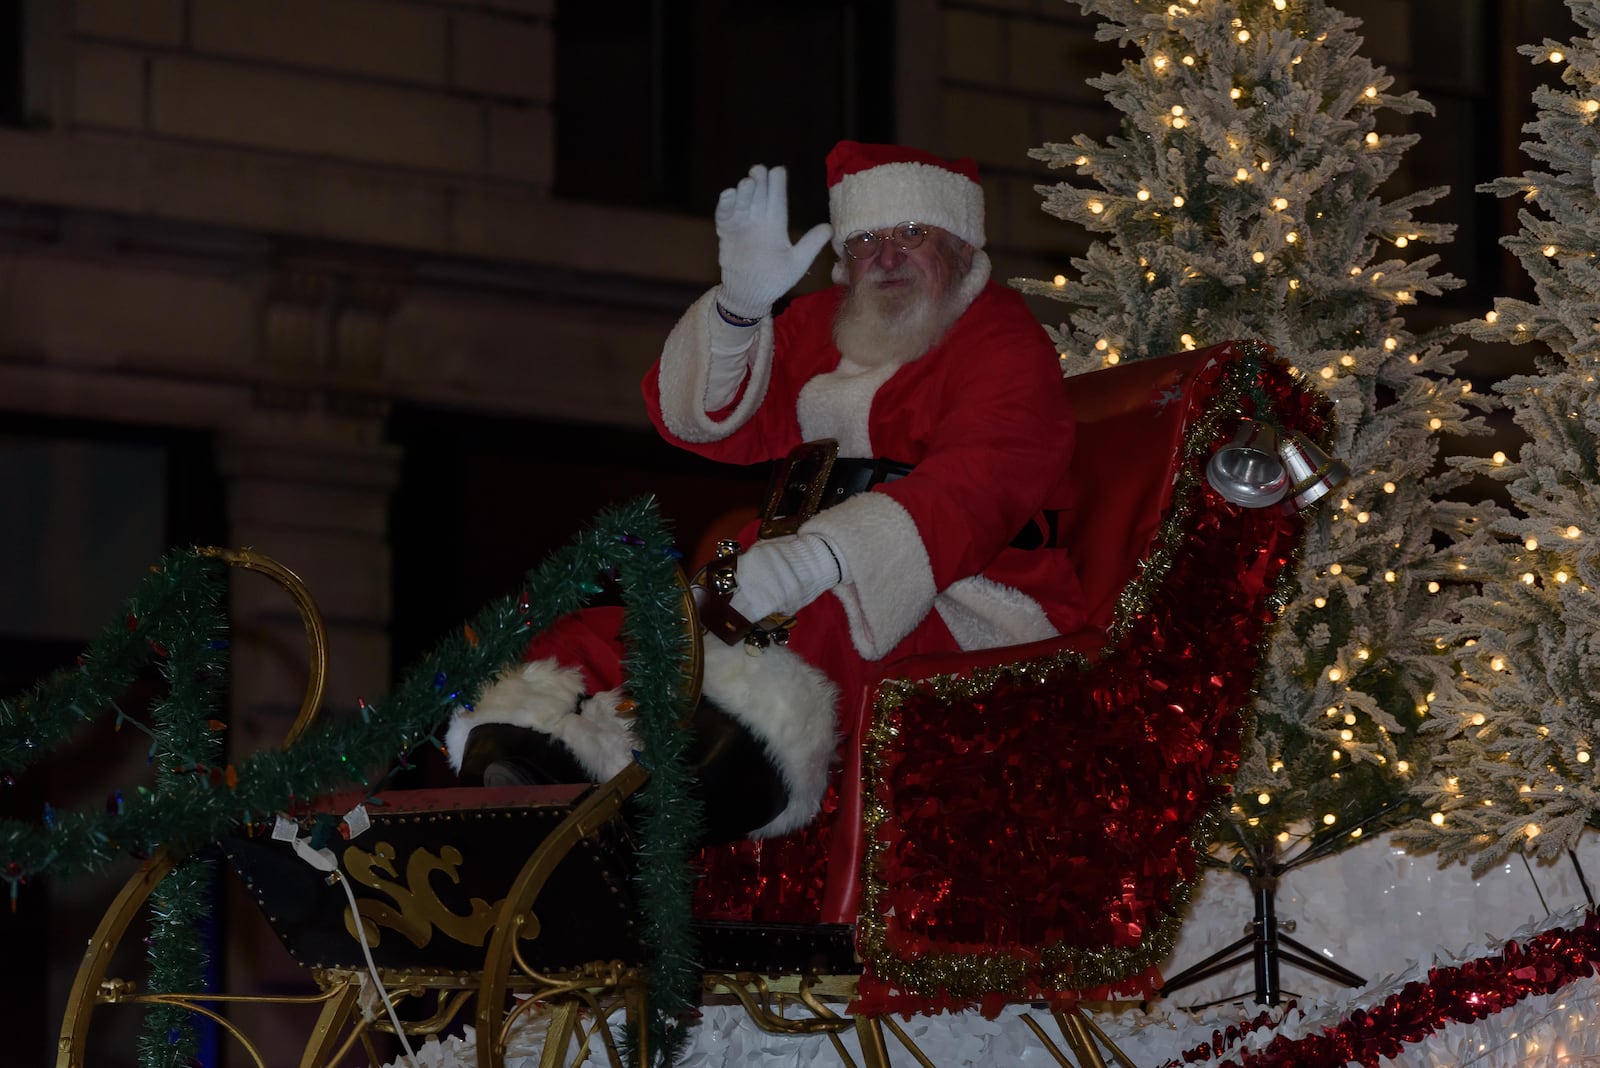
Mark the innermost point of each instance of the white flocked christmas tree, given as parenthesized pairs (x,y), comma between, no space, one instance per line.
(1519,768)
(1242,201)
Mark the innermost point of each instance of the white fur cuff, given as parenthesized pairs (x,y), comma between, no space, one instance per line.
(544,696)
(684,372)
(790,708)
(891,586)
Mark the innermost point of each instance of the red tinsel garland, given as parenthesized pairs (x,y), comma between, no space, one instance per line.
(1461,993)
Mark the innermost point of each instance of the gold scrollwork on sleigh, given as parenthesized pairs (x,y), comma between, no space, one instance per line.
(417,910)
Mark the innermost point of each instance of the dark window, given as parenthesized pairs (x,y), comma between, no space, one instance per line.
(663,104)
(13,79)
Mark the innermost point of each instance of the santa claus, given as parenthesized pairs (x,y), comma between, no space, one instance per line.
(926,432)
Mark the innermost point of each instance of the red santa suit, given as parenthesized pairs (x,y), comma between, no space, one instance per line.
(984,421)
(981,417)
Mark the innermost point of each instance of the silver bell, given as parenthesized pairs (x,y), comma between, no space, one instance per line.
(1313,474)
(1247,470)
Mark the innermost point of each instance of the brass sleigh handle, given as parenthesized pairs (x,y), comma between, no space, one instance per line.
(695,665)
(310,615)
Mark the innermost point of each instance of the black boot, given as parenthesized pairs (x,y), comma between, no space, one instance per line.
(738,786)
(736,783)
(504,754)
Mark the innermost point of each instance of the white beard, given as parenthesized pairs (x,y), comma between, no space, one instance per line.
(873,329)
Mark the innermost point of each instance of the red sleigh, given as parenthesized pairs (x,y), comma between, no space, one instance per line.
(1014,825)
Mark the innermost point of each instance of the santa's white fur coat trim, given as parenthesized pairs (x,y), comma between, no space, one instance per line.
(837,405)
(543,695)
(685,370)
(891,585)
(790,707)
(982,614)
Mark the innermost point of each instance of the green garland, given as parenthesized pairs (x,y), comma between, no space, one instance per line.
(173,616)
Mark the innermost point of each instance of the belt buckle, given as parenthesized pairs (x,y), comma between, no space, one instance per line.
(795,492)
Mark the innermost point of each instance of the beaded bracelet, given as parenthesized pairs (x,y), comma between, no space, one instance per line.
(734,320)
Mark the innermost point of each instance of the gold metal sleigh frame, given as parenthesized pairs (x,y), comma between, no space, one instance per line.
(577,1003)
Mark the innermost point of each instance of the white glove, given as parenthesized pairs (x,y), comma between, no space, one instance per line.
(759,265)
(730,361)
(784,575)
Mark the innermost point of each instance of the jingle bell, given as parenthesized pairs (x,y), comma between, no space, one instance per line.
(1313,474)
(1247,471)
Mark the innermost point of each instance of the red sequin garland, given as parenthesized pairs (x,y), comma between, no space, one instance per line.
(1463,993)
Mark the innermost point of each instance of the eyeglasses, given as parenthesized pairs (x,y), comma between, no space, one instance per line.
(866,244)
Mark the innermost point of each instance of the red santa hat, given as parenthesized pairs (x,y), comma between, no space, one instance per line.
(874,186)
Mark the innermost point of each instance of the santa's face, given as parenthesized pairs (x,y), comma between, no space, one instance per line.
(901,301)
(894,278)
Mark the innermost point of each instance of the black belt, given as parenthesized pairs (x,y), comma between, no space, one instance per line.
(793,495)
(850,477)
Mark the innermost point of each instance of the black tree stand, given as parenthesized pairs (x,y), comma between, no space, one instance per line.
(1265,944)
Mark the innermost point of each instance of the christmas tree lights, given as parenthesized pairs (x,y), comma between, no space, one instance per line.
(1518,769)
(1242,200)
